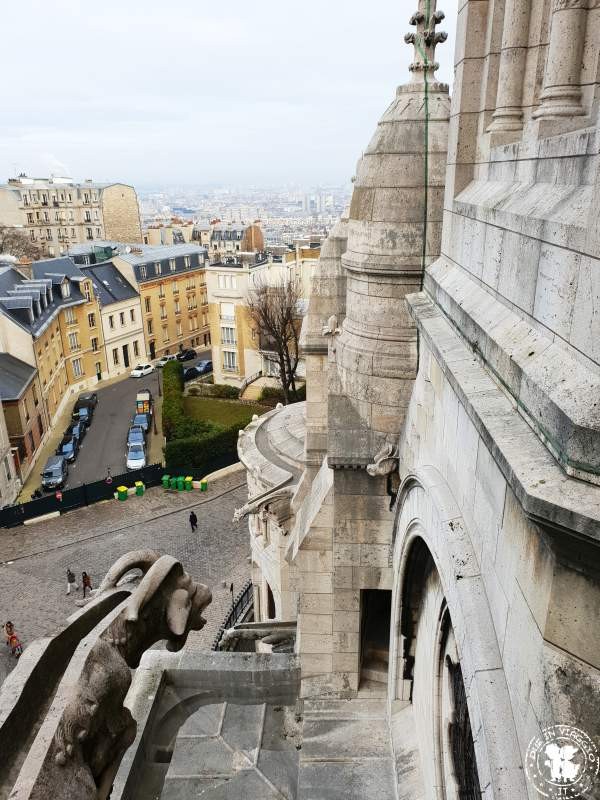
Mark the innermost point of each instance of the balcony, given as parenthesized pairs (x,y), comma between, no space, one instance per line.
(227,318)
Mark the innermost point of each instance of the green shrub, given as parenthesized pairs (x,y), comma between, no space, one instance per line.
(200,453)
(176,425)
(274,394)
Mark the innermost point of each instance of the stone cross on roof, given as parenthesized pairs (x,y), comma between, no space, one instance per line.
(425,39)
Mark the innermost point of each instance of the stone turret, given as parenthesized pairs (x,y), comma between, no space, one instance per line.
(397,203)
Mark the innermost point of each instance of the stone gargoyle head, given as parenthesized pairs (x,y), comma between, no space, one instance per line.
(167,604)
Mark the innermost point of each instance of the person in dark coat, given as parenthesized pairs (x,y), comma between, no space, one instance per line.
(86,582)
(193,521)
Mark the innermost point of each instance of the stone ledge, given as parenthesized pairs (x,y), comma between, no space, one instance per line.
(526,363)
(548,496)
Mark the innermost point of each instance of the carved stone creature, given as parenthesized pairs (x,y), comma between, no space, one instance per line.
(258,503)
(331,327)
(385,462)
(281,639)
(95,729)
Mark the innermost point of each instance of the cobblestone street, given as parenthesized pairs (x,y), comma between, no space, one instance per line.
(34,559)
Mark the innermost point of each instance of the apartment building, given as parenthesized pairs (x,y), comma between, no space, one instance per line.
(51,320)
(25,413)
(230,239)
(177,231)
(56,212)
(121,316)
(10,483)
(171,282)
(239,351)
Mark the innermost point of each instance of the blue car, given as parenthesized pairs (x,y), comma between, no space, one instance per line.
(136,435)
(142,421)
(68,448)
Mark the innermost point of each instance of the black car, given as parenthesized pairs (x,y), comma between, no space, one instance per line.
(89,398)
(77,429)
(190,373)
(69,447)
(84,408)
(186,355)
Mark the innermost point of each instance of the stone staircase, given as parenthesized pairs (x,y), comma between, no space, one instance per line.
(374,673)
(346,751)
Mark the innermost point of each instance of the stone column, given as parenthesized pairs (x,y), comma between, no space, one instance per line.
(562,90)
(508,115)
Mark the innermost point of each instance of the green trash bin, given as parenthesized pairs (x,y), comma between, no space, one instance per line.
(139,488)
(122,492)
(180,483)
(165,481)
(203,485)
(173,483)
(188,483)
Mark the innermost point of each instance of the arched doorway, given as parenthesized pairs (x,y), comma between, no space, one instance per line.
(432,672)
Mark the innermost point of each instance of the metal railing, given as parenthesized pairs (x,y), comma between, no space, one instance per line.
(240,608)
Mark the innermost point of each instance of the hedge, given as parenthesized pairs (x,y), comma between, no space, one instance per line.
(176,425)
(201,453)
(274,394)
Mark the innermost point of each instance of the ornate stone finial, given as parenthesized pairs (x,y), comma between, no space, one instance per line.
(425,39)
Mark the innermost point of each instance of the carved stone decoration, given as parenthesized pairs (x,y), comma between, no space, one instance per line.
(385,461)
(331,327)
(425,39)
(281,639)
(96,729)
(258,503)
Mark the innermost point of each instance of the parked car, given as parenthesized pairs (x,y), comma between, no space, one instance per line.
(165,360)
(190,373)
(69,447)
(141,420)
(136,456)
(205,367)
(136,435)
(187,355)
(84,416)
(55,473)
(89,398)
(78,428)
(140,370)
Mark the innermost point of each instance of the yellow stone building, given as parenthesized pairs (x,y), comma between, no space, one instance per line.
(51,320)
(173,295)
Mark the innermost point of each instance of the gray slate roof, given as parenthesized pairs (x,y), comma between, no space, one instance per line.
(109,285)
(15,377)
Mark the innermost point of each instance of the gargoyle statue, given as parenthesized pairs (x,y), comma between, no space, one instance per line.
(257,503)
(96,729)
(331,327)
(385,461)
(281,639)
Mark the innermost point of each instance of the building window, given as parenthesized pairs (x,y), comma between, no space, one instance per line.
(147,304)
(187,261)
(165,334)
(227,311)
(70,317)
(35,395)
(229,361)
(89,233)
(191,284)
(115,355)
(158,268)
(179,329)
(228,335)
(132,314)
(86,197)
(77,367)
(73,342)
(143,272)
(87,217)
(88,292)
(177,307)
(149,326)
(161,291)
(136,348)
(40,425)
(175,287)
(32,235)
(172,265)
(94,343)
(163,312)
(92,320)
(122,317)
(98,368)
(111,322)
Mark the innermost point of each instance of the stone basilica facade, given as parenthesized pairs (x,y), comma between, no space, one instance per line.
(429,518)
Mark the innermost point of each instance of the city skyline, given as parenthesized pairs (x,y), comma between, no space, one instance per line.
(268,96)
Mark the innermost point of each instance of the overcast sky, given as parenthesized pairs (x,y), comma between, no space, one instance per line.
(195,92)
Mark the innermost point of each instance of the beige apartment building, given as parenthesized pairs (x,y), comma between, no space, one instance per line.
(10,484)
(171,282)
(56,213)
(121,317)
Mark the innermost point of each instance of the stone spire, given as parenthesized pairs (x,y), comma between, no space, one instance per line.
(425,39)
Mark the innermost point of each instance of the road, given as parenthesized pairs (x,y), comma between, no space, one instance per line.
(104,444)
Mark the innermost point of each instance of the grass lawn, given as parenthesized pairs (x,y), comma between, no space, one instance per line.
(223,412)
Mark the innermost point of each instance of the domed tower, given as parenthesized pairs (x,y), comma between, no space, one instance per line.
(253,240)
(394,232)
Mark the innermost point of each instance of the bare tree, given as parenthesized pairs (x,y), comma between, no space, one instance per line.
(273,308)
(14,242)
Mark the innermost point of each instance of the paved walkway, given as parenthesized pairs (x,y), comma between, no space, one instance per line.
(34,559)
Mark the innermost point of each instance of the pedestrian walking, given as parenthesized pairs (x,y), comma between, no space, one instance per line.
(193,521)
(86,582)
(71,581)
(12,640)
